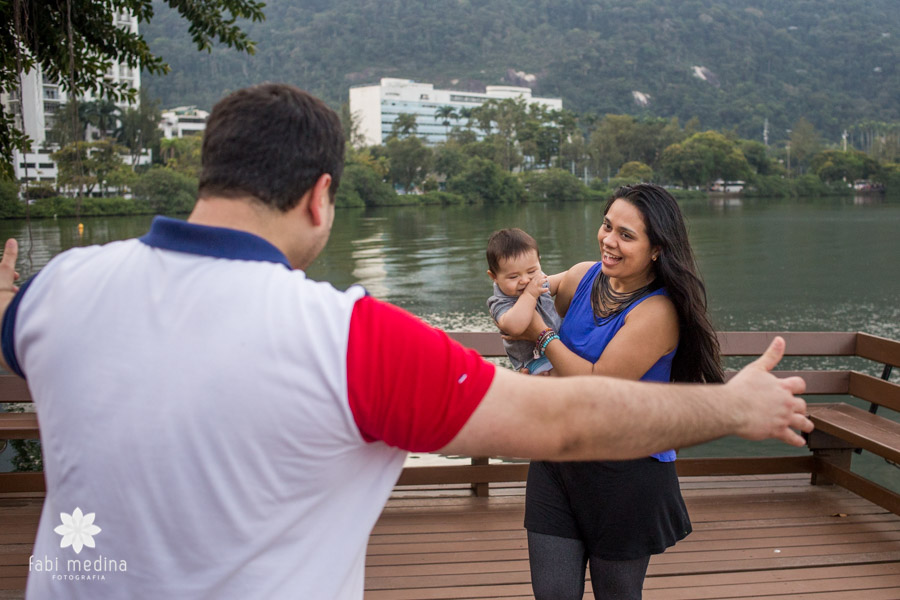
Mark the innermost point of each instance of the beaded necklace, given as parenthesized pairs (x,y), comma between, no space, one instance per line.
(607,302)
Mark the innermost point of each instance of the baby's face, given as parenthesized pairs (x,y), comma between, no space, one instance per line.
(516,272)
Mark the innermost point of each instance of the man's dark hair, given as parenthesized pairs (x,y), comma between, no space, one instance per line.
(508,243)
(271,141)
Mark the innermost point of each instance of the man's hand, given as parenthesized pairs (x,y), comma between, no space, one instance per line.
(767,407)
(8,275)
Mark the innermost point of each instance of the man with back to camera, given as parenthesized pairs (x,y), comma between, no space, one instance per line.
(236,428)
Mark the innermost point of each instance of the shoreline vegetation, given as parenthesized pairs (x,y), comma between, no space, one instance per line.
(505,152)
(117,206)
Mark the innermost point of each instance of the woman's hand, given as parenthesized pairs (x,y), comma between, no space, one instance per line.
(531,332)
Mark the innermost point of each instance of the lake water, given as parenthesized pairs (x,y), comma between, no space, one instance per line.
(815,265)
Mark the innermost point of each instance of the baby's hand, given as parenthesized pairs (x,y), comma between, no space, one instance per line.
(537,286)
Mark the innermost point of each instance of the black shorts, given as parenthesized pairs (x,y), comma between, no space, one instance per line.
(621,510)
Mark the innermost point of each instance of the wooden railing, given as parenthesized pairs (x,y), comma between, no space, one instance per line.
(840,427)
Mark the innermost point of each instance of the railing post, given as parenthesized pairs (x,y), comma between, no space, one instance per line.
(831,449)
(482,490)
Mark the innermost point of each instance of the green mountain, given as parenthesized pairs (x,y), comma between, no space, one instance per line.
(731,63)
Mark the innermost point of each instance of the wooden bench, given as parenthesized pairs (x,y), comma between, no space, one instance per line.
(841,427)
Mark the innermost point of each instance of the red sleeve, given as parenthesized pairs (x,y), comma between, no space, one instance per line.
(409,384)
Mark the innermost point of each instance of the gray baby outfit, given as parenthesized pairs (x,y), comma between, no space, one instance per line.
(521,352)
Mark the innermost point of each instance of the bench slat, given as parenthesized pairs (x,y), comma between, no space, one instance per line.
(877,348)
(19,426)
(871,432)
(873,389)
(830,383)
(13,389)
(798,343)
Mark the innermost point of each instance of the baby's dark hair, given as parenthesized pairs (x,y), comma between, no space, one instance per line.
(508,243)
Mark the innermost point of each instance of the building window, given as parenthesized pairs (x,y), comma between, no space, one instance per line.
(47,165)
(423,96)
(461,98)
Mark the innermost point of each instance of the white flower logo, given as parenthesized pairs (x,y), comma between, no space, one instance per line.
(77,530)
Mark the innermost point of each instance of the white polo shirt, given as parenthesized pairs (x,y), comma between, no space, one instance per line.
(233,427)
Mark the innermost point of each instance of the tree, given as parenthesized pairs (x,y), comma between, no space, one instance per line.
(835,165)
(805,143)
(555,185)
(76,42)
(166,191)
(103,115)
(445,113)
(139,128)
(84,165)
(350,124)
(635,172)
(68,124)
(703,158)
(410,160)
(182,154)
(482,180)
(405,125)
(362,186)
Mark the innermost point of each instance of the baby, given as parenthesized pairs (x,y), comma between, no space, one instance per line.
(520,287)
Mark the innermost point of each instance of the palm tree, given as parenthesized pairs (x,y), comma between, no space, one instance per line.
(405,124)
(445,113)
(104,115)
(465,113)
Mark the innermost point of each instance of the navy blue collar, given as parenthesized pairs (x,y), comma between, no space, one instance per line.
(218,242)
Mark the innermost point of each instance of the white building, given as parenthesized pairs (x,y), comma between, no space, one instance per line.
(36,104)
(182,121)
(376,106)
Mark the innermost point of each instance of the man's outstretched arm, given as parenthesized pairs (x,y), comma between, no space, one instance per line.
(8,277)
(584,418)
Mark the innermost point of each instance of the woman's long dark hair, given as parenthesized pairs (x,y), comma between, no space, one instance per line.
(697,358)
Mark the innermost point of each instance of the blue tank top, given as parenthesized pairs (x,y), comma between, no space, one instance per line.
(587,335)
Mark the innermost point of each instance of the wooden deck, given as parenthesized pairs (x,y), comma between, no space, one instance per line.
(762,536)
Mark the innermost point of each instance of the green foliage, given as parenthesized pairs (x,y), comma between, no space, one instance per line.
(165,191)
(889,177)
(835,165)
(409,159)
(768,186)
(442,198)
(10,205)
(404,125)
(635,172)
(362,186)
(28,457)
(183,154)
(84,165)
(139,129)
(810,186)
(39,34)
(703,158)
(484,181)
(553,185)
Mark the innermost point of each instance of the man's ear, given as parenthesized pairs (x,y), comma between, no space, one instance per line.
(491,274)
(319,197)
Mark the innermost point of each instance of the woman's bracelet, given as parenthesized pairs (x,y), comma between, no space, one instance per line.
(547,336)
(547,341)
(543,335)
